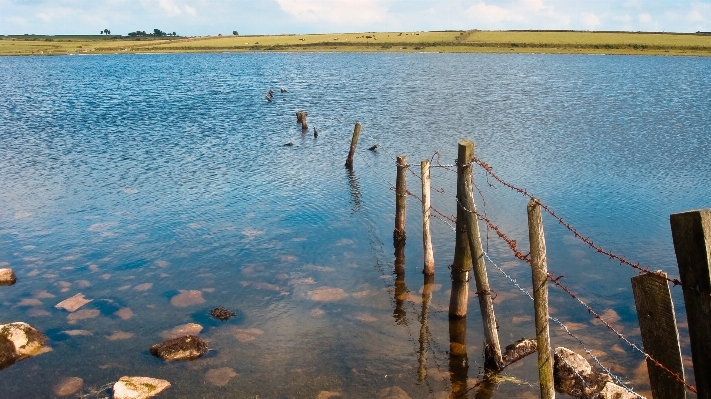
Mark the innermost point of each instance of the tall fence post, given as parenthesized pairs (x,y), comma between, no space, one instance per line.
(539,277)
(354,143)
(462,255)
(691,232)
(426,237)
(492,351)
(657,323)
(400,200)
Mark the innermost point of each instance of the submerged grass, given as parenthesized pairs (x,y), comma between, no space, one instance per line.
(439,41)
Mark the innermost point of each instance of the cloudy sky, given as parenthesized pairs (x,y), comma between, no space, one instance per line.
(210,17)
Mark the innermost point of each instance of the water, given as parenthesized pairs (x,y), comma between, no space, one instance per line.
(132,178)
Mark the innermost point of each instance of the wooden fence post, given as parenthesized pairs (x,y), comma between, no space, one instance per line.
(492,351)
(657,323)
(691,232)
(400,200)
(462,255)
(426,238)
(539,277)
(304,125)
(354,143)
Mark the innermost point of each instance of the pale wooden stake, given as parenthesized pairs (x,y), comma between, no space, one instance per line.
(426,237)
(691,232)
(354,143)
(657,323)
(539,276)
(492,351)
(400,200)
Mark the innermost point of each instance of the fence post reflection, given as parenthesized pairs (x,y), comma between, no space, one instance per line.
(424,329)
(458,360)
(400,288)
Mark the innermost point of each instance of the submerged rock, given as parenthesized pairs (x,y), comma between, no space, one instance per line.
(568,369)
(222,314)
(68,386)
(18,341)
(7,277)
(138,387)
(189,347)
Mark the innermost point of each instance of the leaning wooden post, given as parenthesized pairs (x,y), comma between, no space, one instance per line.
(539,277)
(657,323)
(354,143)
(400,200)
(691,232)
(492,351)
(426,238)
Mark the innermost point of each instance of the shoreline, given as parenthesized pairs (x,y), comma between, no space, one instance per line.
(472,41)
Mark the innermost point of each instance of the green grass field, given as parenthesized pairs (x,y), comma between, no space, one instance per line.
(449,41)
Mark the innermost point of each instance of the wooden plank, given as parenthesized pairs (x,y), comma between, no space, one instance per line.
(539,277)
(657,323)
(691,232)
(426,237)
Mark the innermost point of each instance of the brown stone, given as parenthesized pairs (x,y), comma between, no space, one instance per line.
(68,386)
(138,387)
(7,277)
(189,347)
(18,341)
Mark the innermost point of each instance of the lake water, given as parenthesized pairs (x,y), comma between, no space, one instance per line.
(158,186)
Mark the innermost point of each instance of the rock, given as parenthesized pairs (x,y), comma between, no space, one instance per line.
(182,330)
(68,386)
(138,387)
(186,298)
(567,363)
(220,377)
(612,391)
(7,277)
(393,393)
(221,314)
(18,341)
(189,347)
(73,303)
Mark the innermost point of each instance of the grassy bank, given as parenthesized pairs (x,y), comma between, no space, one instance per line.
(448,41)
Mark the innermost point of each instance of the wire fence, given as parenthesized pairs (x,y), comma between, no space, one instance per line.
(450,221)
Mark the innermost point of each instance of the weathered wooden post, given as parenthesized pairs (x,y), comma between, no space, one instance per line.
(426,238)
(539,276)
(400,200)
(304,125)
(657,323)
(354,143)
(299,116)
(462,263)
(691,232)
(492,351)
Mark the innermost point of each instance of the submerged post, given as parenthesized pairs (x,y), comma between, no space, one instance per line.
(426,237)
(462,255)
(691,232)
(492,351)
(539,268)
(354,143)
(400,200)
(657,324)
(304,125)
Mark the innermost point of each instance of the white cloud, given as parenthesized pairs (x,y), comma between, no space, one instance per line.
(170,6)
(335,11)
(189,10)
(483,11)
(645,18)
(590,20)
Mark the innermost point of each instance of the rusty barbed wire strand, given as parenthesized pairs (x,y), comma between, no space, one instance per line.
(586,240)
(556,281)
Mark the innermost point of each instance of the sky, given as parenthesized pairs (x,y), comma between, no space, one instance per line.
(249,17)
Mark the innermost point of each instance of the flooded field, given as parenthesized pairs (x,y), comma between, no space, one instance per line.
(159,187)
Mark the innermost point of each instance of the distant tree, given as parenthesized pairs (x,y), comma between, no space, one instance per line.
(234,32)
(158,33)
(175,34)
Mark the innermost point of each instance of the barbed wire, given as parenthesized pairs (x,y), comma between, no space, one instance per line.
(586,240)
(565,328)
(556,282)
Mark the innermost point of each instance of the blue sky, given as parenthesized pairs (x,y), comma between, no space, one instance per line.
(211,17)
